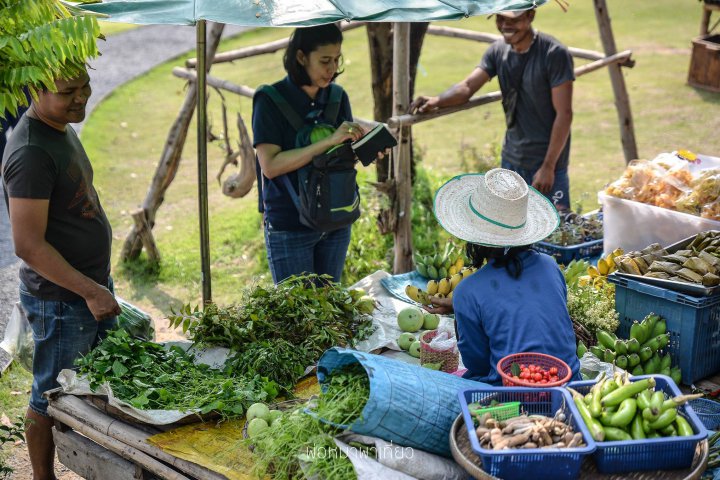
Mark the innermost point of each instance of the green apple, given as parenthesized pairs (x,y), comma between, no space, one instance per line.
(405,340)
(430,321)
(414,349)
(410,319)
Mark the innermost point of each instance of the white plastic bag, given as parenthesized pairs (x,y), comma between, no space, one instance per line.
(445,339)
(18,341)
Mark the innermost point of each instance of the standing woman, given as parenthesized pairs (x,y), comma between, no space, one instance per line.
(312,61)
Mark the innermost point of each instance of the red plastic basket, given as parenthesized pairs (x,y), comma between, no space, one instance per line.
(527,358)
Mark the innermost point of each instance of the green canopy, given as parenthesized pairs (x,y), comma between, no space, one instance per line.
(293,13)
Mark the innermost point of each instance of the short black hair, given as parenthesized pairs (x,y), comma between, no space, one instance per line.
(510,260)
(306,40)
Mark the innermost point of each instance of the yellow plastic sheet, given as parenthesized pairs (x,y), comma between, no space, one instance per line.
(219,447)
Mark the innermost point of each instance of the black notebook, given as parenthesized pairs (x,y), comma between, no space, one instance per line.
(376,140)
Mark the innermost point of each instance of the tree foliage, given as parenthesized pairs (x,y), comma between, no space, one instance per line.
(40,41)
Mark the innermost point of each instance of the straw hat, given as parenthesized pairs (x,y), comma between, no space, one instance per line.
(497,209)
(512,13)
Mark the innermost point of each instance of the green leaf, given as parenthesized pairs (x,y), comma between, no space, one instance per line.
(119,369)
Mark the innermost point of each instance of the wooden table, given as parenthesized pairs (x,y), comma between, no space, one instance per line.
(92,441)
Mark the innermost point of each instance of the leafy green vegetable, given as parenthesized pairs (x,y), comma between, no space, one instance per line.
(149,376)
(280,330)
(10,433)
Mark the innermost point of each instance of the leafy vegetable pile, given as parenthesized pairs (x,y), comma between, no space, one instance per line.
(298,445)
(280,330)
(149,376)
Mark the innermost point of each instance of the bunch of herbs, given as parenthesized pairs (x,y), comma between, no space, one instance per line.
(149,376)
(282,329)
(298,445)
(593,307)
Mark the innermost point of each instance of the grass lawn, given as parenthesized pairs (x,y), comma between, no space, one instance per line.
(126,133)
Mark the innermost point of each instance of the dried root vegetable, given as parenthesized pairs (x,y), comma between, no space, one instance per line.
(526,431)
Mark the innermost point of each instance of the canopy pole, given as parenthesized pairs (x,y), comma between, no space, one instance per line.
(403,155)
(202,162)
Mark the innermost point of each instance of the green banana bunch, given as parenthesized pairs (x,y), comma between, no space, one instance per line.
(440,265)
(641,353)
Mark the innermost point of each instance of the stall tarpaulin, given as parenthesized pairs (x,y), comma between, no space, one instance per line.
(296,13)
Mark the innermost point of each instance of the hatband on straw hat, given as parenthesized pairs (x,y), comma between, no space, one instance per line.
(496,209)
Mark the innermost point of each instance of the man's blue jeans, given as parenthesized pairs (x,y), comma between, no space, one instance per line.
(293,253)
(559,195)
(62,331)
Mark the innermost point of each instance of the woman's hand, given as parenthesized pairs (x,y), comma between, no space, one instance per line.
(347,131)
(440,305)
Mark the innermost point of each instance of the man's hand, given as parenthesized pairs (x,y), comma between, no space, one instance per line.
(423,104)
(439,305)
(102,304)
(544,179)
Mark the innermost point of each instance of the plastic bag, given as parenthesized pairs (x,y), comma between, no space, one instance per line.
(444,340)
(18,341)
(591,367)
(134,321)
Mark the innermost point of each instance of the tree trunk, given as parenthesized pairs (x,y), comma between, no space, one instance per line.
(380,40)
(170,158)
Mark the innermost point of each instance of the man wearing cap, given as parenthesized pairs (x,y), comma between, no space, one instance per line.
(536,76)
(517,300)
(61,233)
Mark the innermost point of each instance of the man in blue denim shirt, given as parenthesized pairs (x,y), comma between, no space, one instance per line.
(61,233)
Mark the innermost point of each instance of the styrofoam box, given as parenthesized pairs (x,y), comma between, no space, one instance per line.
(633,225)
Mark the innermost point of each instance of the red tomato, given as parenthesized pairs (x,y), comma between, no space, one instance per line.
(554,378)
(553,371)
(543,381)
(537,377)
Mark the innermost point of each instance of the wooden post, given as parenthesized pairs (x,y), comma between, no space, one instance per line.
(143,231)
(402,166)
(622,100)
(170,158)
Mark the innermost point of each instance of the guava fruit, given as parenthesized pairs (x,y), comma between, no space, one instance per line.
(258,410)
(405,340)
(410,319)
(430,321)
(273,415)
(256,426)
(414,349)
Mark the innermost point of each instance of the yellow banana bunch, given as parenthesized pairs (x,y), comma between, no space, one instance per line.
(417,295)
(597,275)
(445,286)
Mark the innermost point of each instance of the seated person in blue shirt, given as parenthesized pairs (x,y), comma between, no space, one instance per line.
(517,301)
(312,62)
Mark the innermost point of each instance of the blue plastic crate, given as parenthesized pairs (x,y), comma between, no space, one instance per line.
(651,454)
(693,323)
(536,463)
(564,255)
(708,411)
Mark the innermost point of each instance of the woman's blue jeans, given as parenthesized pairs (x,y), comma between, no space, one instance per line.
(293,253)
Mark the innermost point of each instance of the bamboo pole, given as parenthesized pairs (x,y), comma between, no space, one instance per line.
(491,37)
(403,159)
(408,119)
(622,100)
(202,142)
(263,48)
(244,90)
(91,417)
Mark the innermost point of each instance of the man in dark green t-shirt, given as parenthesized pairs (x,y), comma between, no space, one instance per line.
(61,233)
(536,76)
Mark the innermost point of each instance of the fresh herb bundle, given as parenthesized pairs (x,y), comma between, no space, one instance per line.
(298,445)
(149,376)
(593,308)
(282,329)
